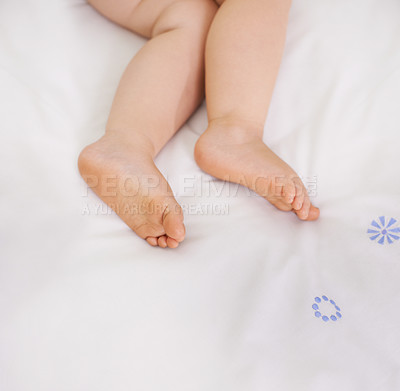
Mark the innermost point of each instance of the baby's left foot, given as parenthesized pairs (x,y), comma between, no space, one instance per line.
(234,151)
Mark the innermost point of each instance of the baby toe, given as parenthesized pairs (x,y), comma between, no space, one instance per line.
(173,223)
(313,214)
(172,243)
(152,241)
(300,195)
(304,211)
(162,241)
(289,193)
(298,202)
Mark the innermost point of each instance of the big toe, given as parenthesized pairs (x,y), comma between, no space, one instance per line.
(173,223)
(313,214)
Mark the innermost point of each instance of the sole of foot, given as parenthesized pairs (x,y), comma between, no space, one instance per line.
(125,177)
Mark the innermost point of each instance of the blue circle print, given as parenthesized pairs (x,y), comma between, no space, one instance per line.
(336,315)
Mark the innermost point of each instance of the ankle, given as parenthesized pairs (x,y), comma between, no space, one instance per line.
(130,139)
(237,129)
(222,133)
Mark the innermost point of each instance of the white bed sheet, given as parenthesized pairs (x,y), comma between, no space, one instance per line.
(86,305)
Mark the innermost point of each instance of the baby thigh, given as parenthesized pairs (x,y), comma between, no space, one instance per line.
(152,17)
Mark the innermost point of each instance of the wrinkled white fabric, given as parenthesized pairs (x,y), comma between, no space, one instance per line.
(86,305)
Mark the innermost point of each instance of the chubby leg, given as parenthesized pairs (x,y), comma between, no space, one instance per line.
(243,54)
(161,87)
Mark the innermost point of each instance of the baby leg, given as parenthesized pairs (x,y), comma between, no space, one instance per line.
(161,87)
(243,54)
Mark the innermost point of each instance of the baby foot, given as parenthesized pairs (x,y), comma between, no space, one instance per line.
(125,177)
(235,152)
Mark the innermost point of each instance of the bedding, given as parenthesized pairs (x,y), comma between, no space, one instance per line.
(254,299)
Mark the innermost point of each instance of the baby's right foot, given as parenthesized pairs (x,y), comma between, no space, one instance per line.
(125,177)
(234,151)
